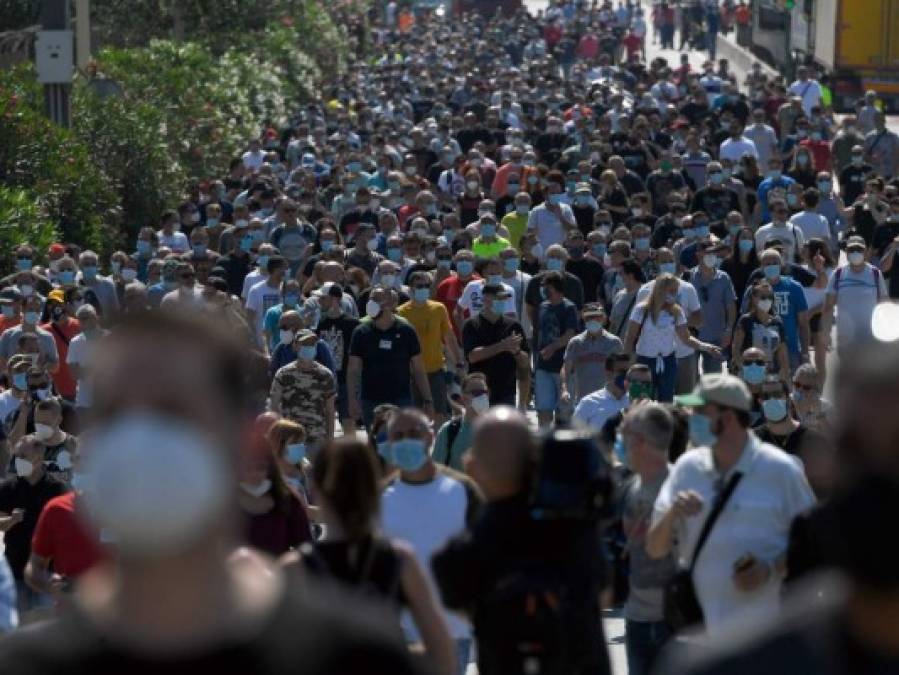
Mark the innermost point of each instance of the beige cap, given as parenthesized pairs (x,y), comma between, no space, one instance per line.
(721,389)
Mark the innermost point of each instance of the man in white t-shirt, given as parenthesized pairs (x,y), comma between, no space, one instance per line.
(595,409)
(254,157)
(81,351)
(763,136)
(807,89)
(854,291)
(687,363)
(425,506)
(471,302)
(812,223)
(780,228)
(266,294)
(737,146)
(740,568)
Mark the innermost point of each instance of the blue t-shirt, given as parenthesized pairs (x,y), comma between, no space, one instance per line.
(789,300)
(765,187)
(270,323)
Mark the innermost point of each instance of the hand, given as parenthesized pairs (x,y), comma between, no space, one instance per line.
(725,340)
(428,408)
(750,573)
(353,410)
(58,584)
(712,349)
(17,516)
(565,396)
(687,503)
(547,352)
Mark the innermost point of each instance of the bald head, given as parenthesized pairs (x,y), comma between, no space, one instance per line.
(502,454)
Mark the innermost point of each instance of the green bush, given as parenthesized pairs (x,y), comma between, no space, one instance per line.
(50,163)
(21,222)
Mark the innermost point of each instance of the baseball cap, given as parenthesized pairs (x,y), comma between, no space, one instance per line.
(304,334)
(56,249)
(582,187)
(721,389)
(333,289)
(593,309)
(57,295)
(855,242)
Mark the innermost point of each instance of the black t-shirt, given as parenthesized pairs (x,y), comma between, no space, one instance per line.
(386,359)
(337,334)
(716,202)
(852,180)
(18,493)
(791,443)
(574,289)
(313,630)
(883,236)
(500,370)
(591,274)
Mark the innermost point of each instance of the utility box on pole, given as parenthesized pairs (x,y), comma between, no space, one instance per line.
(54,56)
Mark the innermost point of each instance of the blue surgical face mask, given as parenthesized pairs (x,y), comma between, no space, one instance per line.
(771,271)
(775,409)
(500,306)
(32,318)
(199,250)
(594,326)
(464,267)
(143,247)
(8,311)
(296,452)
(641,244)
(444,263)
(746,245)
(511,264)
(495,279)
(262,262)
(20,381)
(522,209)
(554,199)
(394,254)
(700,427)
(327,244)
(24,264)
(291,299)
(620,449)
(600,250)
(306,352)
(89,272)
(825,187)
(408,454)
(246,242)
(702,231)
(421,294)
(774,174)
(67,277)
(554,264)
(667,268)
(753,373)
(212,222)
(488,230)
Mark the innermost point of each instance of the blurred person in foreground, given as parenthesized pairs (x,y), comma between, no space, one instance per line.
(181,596)
(521,578)
(845,623)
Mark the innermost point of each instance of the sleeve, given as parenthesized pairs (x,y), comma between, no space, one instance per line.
(532,220)
(49,346)
(74,356)
(414,343)
(884,293)
(798,297)
(9,616)
(271,320)
(532,292)
(518,330)
(465,300)
(729,292)
(324,355)
(441,453)
(681,318)
(832,284)
(667,493)
(570,349)
(275,395)
(357,342)
(692,304)
(254,300)
(42,539)
(571,318)
(445,326)
(637,313)
(469,338)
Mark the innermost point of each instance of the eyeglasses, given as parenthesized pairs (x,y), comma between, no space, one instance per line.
(769,395)
(754,362)
(805,387)
(474,393)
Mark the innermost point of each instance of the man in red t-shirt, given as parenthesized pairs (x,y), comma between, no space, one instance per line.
(62,539)
(633,45)
(450,289)
(63,328)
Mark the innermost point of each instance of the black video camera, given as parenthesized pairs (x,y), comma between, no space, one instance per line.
(574,479)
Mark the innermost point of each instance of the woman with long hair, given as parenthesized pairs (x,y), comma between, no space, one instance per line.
(655,324)
(818,259)
(742,261)
(347,482)
(761,327)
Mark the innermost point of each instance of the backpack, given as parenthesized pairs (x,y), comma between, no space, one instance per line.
(524,624)
(839,274)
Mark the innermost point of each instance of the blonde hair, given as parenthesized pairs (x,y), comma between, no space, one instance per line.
(657,299)
(283,431)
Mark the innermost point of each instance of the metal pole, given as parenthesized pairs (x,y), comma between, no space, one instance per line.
(82,33)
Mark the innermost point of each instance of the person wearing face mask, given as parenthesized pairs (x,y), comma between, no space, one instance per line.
(582,368)
(715,199)
(82,352)
(516,220)
(436,338)
(304,391)
(854,175)
(335,329)
(450,290)
(236,264)
(60,447)
(31,316)
(552,219)
(64,328)
(762,327)
(182,412)
(13,396)
(781,228)
(11,308)
(454,437)
(774,179)
(266,294)
(290,301)
(275,516)
(22,497)
(717,301)
(423,489)
(288,442)
(802,169)
(290,325)
(170,235)
(738,570)
(753,370)
(811,408)
(854,291)
(385,358)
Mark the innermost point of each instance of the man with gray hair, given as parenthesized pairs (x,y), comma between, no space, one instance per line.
(645,435)
(102,287)
(82,349)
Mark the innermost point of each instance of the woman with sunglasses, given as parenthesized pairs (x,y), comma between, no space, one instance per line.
(761,327)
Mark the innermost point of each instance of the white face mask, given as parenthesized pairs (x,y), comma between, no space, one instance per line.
(388,280)
(372,244)
(42,431)
(183,486)
(855,257)
(24,468)
(480,404)
(372,308)
(286,337)
(764,305)
(129,274)
(258,489)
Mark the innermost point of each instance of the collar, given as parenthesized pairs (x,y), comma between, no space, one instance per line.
(743,465)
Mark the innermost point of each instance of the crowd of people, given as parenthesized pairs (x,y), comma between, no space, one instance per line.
(484,217)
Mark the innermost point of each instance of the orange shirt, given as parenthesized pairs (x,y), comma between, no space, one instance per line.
(62,335)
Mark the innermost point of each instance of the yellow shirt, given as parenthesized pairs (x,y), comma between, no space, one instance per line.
(431,322)
(484,250)
(517,225)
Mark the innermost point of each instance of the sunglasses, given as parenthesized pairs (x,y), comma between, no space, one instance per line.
(805,387)
(477,392)
(758,362)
